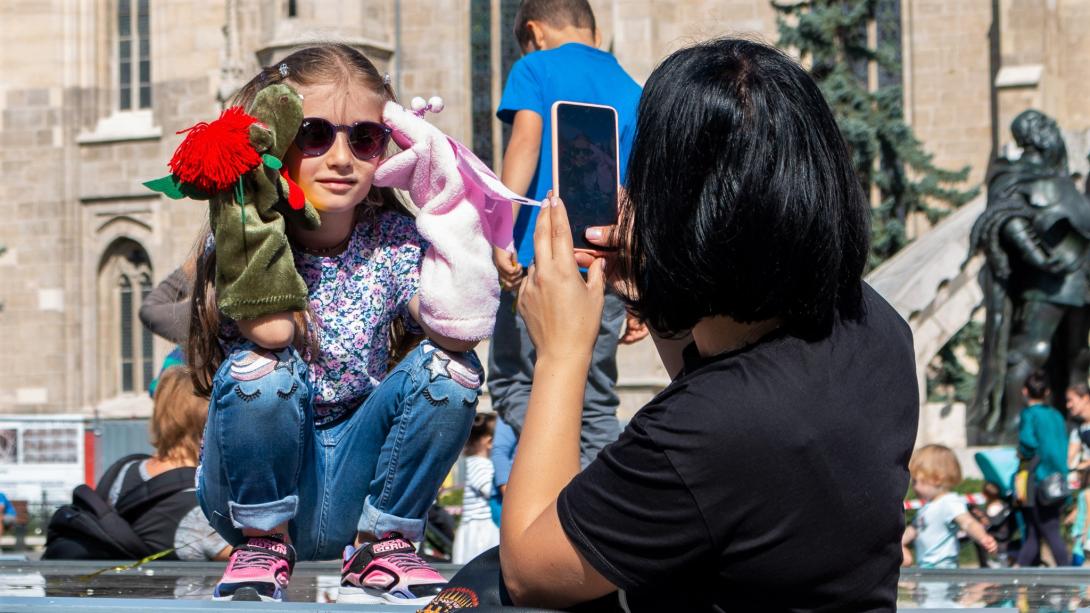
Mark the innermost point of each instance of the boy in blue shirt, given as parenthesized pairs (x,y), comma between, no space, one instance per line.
(561,61)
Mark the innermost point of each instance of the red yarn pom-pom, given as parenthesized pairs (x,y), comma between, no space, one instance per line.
(214,155)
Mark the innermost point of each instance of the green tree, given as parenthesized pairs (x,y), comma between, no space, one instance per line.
(947,379)
(831,36)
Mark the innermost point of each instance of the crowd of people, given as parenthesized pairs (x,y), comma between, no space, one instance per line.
(1023,517)
(336,408)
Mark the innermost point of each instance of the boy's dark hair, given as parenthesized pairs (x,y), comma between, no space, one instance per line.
(1079,389)
(1037,385)
(742,199)
(556,13)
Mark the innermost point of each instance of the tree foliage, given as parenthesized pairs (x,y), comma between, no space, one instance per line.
(831,37)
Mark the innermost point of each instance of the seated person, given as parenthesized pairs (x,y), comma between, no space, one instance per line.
(9,515)
(769,475)
(177,424)
(145,505)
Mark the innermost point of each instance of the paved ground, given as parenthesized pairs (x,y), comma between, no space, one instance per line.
(56,587)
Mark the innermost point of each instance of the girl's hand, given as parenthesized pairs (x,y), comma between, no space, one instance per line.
(507,264)
(989,544)
(562,311)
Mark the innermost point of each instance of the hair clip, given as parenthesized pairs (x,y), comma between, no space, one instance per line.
(421,106)
(386,79)
(283,68)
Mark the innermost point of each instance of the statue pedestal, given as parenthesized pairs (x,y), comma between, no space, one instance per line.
(942,424)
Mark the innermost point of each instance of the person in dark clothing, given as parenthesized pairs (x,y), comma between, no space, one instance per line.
(151,502)
(1042,446)
(769,475)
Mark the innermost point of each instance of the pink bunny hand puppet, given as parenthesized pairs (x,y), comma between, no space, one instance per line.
(459,288)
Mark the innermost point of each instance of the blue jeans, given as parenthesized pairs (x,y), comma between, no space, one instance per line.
(511,371)
(378,471)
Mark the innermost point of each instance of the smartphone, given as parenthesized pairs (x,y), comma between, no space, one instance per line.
(585,172)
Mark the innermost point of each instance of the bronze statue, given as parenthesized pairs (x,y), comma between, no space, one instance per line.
(1035,233)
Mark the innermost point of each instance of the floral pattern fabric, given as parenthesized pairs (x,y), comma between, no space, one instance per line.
(355,297)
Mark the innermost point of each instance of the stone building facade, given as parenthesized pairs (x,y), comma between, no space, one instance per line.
(92,94)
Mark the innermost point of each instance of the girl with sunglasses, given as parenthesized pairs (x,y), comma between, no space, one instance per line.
(314,445)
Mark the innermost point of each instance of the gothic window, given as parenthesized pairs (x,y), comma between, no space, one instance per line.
(484,81)
(126,347)
(147,352)
(888,25)
(510,52)
(480,52)
(124,288)
(133,55)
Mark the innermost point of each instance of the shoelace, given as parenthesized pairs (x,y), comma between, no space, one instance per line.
(407,561)
(248,558)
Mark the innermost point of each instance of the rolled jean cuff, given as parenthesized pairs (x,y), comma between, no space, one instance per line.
(263,516)
(380,524)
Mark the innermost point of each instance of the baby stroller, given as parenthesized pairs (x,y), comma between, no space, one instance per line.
(997,513)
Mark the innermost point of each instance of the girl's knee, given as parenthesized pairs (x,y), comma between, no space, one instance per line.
(447,378)
(255,377)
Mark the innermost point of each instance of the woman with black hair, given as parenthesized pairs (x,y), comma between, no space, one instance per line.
(1042,448)
(769,475)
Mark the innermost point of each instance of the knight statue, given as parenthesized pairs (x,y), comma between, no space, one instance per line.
(1035,234)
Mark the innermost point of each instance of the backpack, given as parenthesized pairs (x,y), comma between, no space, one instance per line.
(142,523)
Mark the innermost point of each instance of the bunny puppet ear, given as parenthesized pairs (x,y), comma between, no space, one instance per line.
(406,127)
(488,194)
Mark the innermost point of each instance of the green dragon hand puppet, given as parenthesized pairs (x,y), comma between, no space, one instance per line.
(235,164)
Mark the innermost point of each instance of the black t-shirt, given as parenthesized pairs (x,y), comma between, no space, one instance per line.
(767,479)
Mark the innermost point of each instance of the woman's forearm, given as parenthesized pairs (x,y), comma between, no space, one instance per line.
(548,451)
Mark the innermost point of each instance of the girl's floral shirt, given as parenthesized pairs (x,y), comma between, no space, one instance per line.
(355,297)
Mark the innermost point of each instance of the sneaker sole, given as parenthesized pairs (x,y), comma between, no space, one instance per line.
(246,594)
(359,596)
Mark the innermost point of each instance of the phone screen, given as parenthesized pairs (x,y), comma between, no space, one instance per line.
(585,166)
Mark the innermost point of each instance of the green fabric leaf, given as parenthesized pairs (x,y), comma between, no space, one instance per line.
(167,186)
(272,162)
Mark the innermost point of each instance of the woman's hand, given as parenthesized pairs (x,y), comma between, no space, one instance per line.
(562,311)
(609,238)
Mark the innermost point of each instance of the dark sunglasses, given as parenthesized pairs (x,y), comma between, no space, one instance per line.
(366,139)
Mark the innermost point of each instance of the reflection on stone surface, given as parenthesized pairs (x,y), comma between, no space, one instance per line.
(311,581)
(22,584)
(1037,590)
(1024,590)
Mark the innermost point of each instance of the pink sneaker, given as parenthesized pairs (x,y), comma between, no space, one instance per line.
(258,570)
(390,572)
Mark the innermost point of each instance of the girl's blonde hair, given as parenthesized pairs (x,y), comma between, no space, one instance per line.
(332,63)
(177,419)
(935,464)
